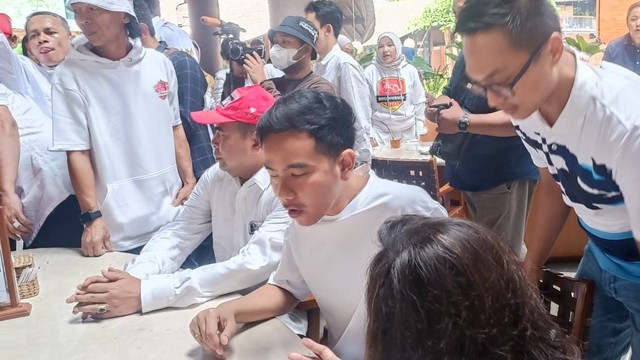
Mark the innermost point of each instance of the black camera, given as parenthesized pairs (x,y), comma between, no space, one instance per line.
(238,50)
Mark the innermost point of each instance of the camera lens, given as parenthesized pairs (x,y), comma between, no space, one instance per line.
(236,52)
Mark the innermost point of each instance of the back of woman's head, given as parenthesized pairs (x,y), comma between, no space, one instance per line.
(443,288)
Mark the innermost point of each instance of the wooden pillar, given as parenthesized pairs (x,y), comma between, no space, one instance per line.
(210,59)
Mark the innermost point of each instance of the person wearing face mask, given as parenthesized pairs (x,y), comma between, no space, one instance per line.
(292,51)
(397,95)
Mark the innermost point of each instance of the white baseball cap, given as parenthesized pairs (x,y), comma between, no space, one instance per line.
(125,6)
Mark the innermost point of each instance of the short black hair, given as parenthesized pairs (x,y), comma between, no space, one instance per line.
(327,118)
(327,12)
(25,50)
(144,15)
(154,7)
(63,21)
(528,23)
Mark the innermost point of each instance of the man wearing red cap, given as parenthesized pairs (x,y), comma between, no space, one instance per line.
(234,200)
(7,30)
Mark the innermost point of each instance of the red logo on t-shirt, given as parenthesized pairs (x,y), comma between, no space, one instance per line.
(392,92)
(162,89)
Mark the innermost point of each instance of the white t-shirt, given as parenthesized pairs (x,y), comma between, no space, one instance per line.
(43,177)
(592,150)
(330,258)
(397,100)
(344,72)
(124,113)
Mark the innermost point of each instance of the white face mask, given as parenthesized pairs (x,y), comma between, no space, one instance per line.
(282,58)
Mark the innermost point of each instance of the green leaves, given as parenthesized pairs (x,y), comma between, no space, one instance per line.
(580,44)
(433,80)
(437,13)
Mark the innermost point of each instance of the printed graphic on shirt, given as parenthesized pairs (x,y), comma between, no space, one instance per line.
(591,185)
(254,226)
(392,92)
(162,89)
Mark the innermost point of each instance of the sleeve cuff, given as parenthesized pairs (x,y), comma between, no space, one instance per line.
(156,292)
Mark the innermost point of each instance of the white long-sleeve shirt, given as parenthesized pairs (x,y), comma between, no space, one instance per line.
(248,224)
(347,76)
(22,76)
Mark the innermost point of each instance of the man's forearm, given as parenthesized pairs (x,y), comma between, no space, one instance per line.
(10,154)
(494,124)
(548,216)
(83,179)
(183,155)
(264,303)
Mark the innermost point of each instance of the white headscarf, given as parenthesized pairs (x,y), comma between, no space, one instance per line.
(399,56)
(343,40)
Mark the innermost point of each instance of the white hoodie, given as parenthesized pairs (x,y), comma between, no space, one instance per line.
(123,112)
(397,98)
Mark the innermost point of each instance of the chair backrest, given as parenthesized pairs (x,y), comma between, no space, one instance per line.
(570,303)
(421,173)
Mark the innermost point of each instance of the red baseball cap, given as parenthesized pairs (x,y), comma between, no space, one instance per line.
(5,25)
(246,104)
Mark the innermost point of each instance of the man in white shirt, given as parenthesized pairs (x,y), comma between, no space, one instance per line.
(342,70)
(33,180)
(307,138)
(234,200)
(171,33)
(116,114)
(48,41)
(581,126)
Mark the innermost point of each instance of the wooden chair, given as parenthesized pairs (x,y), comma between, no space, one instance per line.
(313,318)
(570,303)
(425,175)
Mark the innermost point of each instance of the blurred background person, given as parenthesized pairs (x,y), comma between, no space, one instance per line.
(345,44)
(397,95)
(625,50)
(171,33)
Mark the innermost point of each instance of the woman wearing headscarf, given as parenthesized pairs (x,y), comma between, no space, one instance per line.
(397,94)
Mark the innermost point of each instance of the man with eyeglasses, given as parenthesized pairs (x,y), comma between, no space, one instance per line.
(581,126)
(495,174)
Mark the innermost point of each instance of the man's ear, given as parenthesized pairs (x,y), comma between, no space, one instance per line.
(144,29)
(347,162)
(304,51)
(255,142)
(556,47)
(13,40)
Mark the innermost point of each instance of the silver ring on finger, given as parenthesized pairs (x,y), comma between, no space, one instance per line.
(16,224)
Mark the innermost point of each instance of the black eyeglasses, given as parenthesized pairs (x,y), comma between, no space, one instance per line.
(505,91)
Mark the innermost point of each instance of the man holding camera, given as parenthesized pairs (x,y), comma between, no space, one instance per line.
(235,52)
(294,47)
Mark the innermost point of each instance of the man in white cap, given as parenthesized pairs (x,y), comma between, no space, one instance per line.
(116,114)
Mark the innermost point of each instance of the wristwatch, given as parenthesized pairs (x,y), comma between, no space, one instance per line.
(463,123)
(89,216)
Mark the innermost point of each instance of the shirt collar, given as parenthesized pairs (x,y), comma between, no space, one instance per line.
(260,178)
(331,54)
(628,40)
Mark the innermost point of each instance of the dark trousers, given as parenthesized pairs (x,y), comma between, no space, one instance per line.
(62,228)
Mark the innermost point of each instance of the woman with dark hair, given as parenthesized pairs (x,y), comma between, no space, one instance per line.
(445,288)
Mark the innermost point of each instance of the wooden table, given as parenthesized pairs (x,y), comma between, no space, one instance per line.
(52,332)
(409,166)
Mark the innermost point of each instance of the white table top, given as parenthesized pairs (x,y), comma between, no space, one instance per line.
(409,150)
(53,332)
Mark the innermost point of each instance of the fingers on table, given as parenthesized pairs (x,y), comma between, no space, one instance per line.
(90,309)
